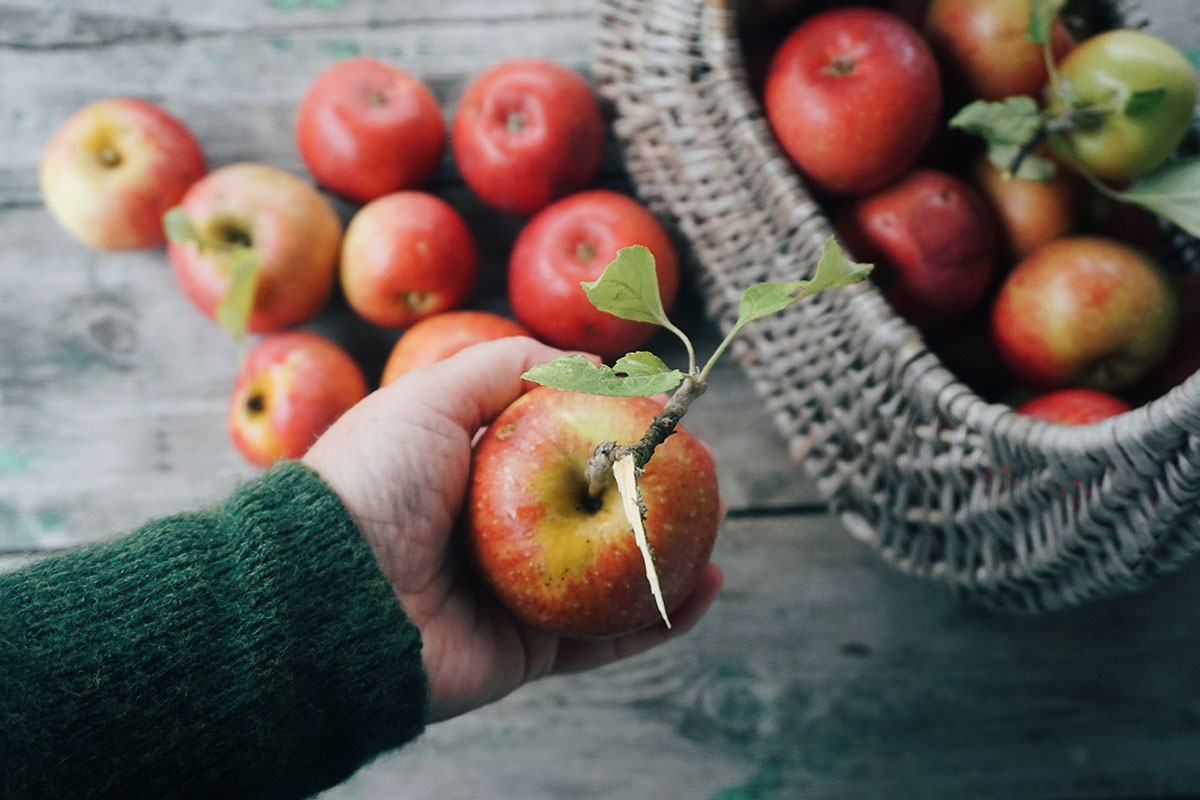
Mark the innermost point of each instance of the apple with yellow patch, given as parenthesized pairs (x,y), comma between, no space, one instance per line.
(562,560)
(290,387)
(112,169)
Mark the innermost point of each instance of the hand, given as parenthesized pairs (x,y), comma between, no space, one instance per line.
(400,461)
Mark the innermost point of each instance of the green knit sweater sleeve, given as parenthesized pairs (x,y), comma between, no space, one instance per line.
(254,650)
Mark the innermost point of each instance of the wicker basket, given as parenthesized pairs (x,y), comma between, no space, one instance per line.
(1011,512)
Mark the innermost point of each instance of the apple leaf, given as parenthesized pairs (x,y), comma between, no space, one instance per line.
(178,227)
(634,375)
(1014,121)
(628,287)
(1041,18)
(625,471)
(233,312)
(1172,192)
(833,270)
(1029,167)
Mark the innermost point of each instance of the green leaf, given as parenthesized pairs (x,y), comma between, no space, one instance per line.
(1031,168)
(640,364)
(1144,100)
(628,287)
(575,373)
(1172,192)
(233,312)
(1041,18)
(178,227)
(833,270)
(1014,121)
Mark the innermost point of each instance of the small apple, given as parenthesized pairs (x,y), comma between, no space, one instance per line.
(441,336)
(289,224)
(366,128)
(527,132)
(407,256)
(113,168)
(985,50)
(1084,311)
(933,239)
(1074,406)
(853,95)
(573,240)
(1183,358)
(1030,213)
(562,561)
(291,386)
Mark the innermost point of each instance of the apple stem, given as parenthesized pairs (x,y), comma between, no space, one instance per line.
(599,466)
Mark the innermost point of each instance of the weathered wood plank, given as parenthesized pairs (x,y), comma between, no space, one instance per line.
(821,674)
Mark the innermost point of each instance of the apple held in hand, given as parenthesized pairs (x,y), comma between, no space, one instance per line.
(407,256)
(1074,406)
(853,95)
(113,168)
(562,561)
(572,241)
(934,239)
(1084,311)
(289,227)
(291,386)
(527,132)
(441,336)
(366,128)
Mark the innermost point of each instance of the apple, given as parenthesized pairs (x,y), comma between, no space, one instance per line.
(853,95)
(289,224)
(1030,213)
(407,256)
(933,241)
(441,336)
(984,49)
(113,168)
(290,387)
(560,560)
(527,132)
(1183,358)
(1074,406)
(365,128)
(1084,311)
(573,240)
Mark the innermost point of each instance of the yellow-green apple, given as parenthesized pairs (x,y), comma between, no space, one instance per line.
(1074,406)
(113,168)
(570,241)
(1084,311)
(365,128)
(289,224)
(934,240)
(291,386)
(563,561)
(406,256)
(441,336)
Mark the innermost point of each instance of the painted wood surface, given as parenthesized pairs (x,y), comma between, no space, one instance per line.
(819,673)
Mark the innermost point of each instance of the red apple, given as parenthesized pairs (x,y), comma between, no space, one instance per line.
(853,95)
(407,256)
(288,223)
(571,241)
(1074,406)
(366,128)
(1084,311)
(1030,213)
(983,45)
(112,170)
(933,240)
(561,561)
(441,336)
(527,132)
(291,386)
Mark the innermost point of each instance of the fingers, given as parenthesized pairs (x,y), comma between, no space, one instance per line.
(476,384)
(581,654)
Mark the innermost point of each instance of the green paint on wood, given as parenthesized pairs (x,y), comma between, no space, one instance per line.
(282,45)
(286,5)
(12,462)
(343,49)
(327,3)
(53,519)
(1193,56)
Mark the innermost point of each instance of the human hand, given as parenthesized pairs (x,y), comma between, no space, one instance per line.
(400,461)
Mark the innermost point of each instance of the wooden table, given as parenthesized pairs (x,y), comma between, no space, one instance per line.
(819,673)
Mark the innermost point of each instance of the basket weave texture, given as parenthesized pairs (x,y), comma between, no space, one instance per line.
(1008,511)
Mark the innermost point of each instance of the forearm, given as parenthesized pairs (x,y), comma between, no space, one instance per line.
(255,650)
